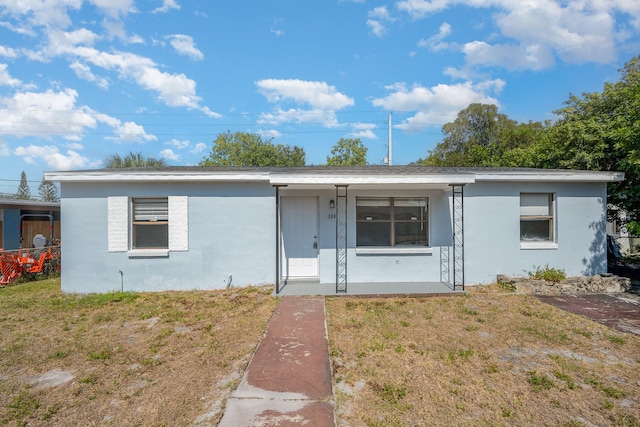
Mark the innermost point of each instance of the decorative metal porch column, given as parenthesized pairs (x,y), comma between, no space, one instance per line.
(445,276)
(458,236)
(341,238)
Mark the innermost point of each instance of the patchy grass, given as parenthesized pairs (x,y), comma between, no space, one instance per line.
(144,359)
(489,358)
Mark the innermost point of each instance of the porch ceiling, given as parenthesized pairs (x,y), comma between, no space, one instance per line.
(332,187)
(396,181)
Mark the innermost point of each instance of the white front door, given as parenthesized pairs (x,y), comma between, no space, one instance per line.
(299,223)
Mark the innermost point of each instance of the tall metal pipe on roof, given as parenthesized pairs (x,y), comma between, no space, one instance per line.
(390,146)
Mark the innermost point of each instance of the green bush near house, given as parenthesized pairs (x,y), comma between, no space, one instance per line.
(547,273)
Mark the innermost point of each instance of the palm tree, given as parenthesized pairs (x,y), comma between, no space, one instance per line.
(132,160)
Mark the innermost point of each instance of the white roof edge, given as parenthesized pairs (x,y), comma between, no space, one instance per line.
(154,176)
(552,176)
(289,179)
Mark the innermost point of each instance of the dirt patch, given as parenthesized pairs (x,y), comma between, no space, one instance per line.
(49,379)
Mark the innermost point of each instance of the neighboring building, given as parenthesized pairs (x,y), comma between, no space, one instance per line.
(205,228)
(625,243)
(22,220)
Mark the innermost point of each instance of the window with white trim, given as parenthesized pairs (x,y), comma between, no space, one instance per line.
(150,225)
(537,217)
(392,222)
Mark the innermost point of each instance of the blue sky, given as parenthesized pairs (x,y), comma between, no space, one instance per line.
(83,79)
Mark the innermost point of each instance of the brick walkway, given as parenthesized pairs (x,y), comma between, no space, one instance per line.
(288,381)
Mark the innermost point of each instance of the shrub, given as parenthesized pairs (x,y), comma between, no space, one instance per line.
(547,273)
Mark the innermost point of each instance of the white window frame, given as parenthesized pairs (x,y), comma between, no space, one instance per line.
(149,212)
(397,249)
(119,226)
(532,212)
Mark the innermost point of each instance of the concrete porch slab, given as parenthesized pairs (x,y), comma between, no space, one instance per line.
(303,287)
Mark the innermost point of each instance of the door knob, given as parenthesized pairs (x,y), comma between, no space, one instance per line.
(315,245)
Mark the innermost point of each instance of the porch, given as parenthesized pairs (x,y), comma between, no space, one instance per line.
(314,225)
(370,289)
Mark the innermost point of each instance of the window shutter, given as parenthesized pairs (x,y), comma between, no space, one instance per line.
(178,223)
(118,224)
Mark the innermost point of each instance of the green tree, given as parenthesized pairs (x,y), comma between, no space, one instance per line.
(132,160)
(249,149)
(48,191)
(480,136)
(24,193)
(601,131)
(348,152)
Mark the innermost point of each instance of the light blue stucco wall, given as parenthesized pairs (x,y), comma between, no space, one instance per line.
(231,233)
(492,225)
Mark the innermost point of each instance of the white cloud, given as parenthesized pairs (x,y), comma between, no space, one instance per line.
(577,32)
(435,43)
(299,115)
(115,8)
(437,105)
(376,28)
(277,22)
(135,39)
(133,132)
(511,57)
(199,148)
(269,133)
(377,20)
(537,32)
(464,73)
(4,149)
(52,157)
(6,79)
(8,52)
(323,101)
(380,12)
(318,95)
(55,114)
(420,8)
(62,42)
(180,145)
(47,13)
(363,131)
(114,29)
(18,28)
(184,45)
(167,5)
(168,154)
(45,113)
(84,72)
(74,146)
(175,90)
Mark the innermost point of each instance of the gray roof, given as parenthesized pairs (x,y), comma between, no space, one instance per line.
(344,174)
(342,170)
(29,204)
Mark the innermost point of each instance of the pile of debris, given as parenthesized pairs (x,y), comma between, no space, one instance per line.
(598,284)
